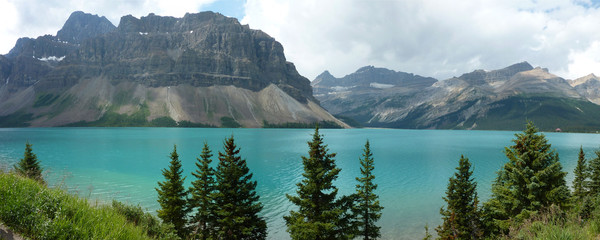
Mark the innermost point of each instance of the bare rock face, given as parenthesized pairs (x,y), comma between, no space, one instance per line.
(201,50)
(82,73)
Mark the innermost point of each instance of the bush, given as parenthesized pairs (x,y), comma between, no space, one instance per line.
(153,227)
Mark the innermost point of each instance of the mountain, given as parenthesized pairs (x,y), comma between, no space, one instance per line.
(204,69)
(501,99)
(589,87)
(357,94)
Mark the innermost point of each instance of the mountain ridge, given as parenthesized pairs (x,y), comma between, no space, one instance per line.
(501,99)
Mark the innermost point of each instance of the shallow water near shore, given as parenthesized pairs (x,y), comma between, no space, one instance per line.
(412,167)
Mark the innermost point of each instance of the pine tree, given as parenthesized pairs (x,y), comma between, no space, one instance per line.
(532,179)
(29,166)
(462,219)
(368,210)
(172,196)
(319,213)
(594,175)
(202,192)
(236,199)
(580,172)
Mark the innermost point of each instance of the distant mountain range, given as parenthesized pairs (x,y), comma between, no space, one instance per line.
(202,69)
(501,99)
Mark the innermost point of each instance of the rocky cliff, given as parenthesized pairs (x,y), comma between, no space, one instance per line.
(201,68)
(501,99)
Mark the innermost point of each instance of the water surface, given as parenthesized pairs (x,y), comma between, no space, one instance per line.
(412,167)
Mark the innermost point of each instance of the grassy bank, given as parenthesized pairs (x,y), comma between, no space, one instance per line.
(582,221)
(38,212)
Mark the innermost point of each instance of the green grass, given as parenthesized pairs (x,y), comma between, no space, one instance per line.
(38,212)
(558,224)
(44,100)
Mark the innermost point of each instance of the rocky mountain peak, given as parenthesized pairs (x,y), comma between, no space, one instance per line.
(365,69)
(324,78)
(588,86)
(325,74)
(590,76)
(81,26)
(518,67)
(190,21)
(585,79)
(369,79)
(481,77)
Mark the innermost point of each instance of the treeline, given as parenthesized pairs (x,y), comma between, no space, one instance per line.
(322,124)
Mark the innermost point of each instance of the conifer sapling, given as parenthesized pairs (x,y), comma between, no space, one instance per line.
(202,192)
(29,166)
(236,199)
(172,196)
(367,209)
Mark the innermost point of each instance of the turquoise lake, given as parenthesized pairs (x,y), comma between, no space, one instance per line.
(412,167)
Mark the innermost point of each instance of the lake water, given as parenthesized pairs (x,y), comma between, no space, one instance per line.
(412,167)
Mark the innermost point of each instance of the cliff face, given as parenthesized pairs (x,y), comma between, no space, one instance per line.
(197,51)
(201,50)
(31,60)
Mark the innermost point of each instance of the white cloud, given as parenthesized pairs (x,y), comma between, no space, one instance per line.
(429,37)
(8,12)
(33,18)
(584,62)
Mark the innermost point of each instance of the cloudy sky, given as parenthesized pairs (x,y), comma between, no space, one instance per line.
(435,38)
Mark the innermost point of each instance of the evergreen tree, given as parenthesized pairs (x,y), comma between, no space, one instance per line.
(594,175)
(202,192)
(368,210)
(580,172)
(29,166)
(172,196)
(319,214)
(530,180)
(462,219)
(236,199)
